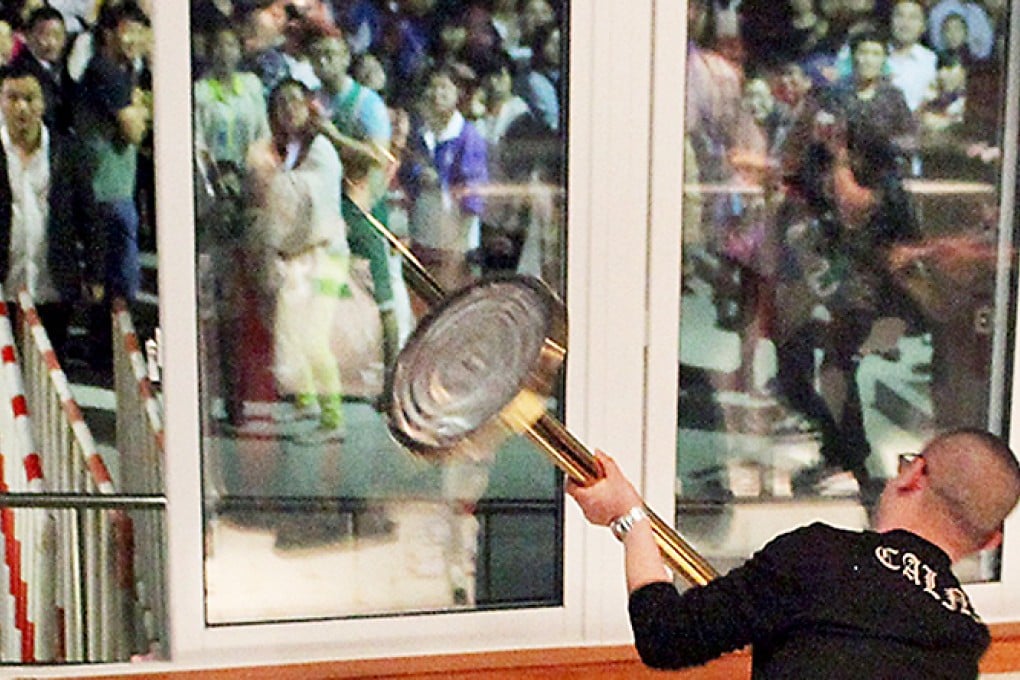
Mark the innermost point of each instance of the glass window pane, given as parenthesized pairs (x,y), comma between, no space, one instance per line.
(845,267)
(349,158)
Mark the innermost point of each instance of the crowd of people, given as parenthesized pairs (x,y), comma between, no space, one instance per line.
(409,114)
(76,177)
(813,117)
(315,124)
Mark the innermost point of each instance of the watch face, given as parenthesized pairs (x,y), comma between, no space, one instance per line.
(622,525)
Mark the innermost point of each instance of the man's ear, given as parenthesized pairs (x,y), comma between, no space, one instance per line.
(913,477)
(994,541)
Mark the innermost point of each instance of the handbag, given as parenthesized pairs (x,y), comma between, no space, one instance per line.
(357,335)
(335,289)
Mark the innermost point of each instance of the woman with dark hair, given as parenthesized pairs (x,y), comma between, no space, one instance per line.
(294,182)
(846,208)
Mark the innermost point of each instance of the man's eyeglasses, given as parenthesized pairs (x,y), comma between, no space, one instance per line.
(905,459)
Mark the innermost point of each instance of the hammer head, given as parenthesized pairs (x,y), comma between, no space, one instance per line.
(480,365)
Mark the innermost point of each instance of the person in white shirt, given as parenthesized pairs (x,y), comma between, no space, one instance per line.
(507,119)
(912,66)
(295,178)
(39,186)
(447,163)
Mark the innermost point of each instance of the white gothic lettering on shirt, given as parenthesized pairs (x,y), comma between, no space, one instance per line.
(926,578)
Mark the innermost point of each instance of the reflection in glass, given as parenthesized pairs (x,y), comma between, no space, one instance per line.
(318,126)
(841,248)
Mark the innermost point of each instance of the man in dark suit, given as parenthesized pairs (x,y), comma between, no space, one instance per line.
(38,190)
(45,39)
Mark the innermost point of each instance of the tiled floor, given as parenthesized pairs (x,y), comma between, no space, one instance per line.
(400,572)
(404,568)
(326,564)
(735,465)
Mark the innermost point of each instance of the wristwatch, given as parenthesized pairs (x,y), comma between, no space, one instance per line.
(622,525)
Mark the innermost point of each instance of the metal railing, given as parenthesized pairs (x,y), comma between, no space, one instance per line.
(25,607)
(141,445)
(82,563)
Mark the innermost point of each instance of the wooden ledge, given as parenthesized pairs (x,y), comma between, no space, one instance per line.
(574,663)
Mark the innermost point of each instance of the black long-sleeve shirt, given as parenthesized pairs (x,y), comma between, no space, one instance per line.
(821,602)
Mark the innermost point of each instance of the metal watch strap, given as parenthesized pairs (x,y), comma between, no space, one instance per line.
(622,525)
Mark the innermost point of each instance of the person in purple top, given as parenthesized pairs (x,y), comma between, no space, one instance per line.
(445,165)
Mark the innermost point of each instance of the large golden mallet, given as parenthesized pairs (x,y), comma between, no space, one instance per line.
(481,365)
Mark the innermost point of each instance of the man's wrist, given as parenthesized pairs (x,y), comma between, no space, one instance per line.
(622,525)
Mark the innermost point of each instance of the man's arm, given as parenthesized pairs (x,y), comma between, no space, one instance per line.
(610,498)
(345,143)
(643,560)
(133,121)
(673,630)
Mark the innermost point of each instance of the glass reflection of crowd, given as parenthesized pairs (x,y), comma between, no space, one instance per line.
(77,163)
(807,121)
(316,123)
(429,101)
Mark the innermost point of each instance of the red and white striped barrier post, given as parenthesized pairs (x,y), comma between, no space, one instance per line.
(140,440)
(81,467)
(25,531)
(132,351)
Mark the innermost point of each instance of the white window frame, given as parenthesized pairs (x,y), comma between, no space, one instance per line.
(625,196)
(608,197)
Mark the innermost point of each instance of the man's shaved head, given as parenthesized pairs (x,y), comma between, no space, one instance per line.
(975,480)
